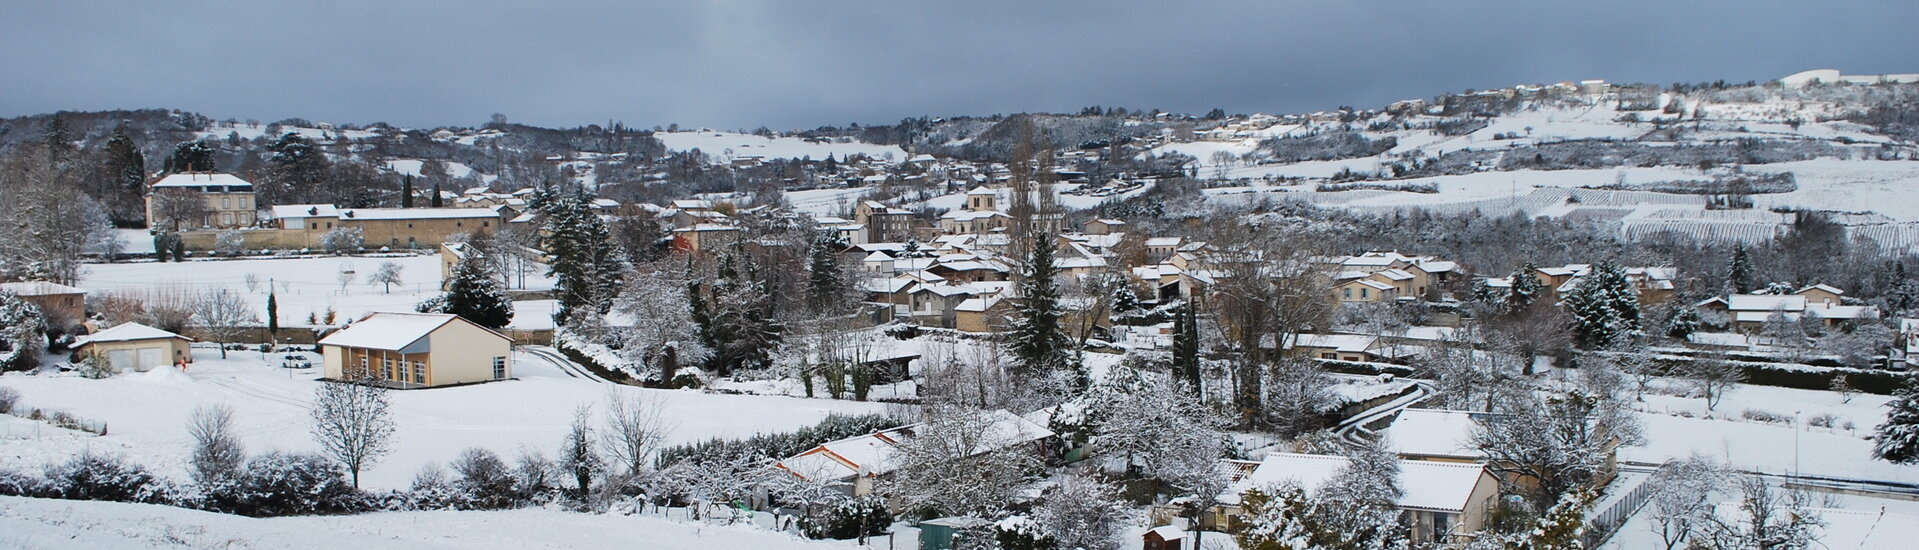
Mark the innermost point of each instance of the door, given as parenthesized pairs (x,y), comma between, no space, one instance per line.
(120,359)
(151,357)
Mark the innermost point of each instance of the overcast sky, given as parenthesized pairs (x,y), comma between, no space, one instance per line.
(799,64)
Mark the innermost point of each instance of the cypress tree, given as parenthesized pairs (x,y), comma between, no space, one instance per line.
(406,191)
(436,202)
(273,314)
(1186,346)
(1739,271)
(825,283)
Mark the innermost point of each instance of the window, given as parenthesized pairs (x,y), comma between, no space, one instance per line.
(364,367)
(243,203)
(1329,356)
(459,224)
(419,372)
(389,367)
(499,368)
(1441,526)
(1348,292)
(226,218)
(1362,293)
(226,202)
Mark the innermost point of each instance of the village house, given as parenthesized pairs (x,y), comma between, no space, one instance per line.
(306,225)
(229,199)
(135,347)
(884,223)
(1442,502)
(855,463)
(417,350)
(1749,312)
(1105,226)
(1908,348)
(62,306)
(704,237)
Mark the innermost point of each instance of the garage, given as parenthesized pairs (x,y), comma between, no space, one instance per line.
(133,347)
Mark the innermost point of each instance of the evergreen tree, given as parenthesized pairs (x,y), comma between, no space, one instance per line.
(1739,272)
(122,179)
(1038,343)
(474,294)
(436,201)
(1186,347)
(1124,300)
(406,191)
(1684,322)
(586,263)
(1897,440)
(1604,307)
(826,285)
(190,156)
(738,318)
(1525,289)
(273,315)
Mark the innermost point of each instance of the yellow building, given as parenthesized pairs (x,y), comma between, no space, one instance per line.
(417,350)
(229,199)
(135,347)
(304,225)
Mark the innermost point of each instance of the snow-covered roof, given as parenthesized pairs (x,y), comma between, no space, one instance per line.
(1394,274)
(290,211)
(982,190)
(126,332)
(1765,302)
(1822,286)
(1162,241)
(1342,342)
(871,454)
(388,331)
(38,288)
(1432,433)
(980,304)
(201,179)
(1427,485)
(1376,285)
(417,213)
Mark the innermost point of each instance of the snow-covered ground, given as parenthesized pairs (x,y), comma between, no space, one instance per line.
(304,286)
(1770,448)
(1852,522)
(41,524)
(727,146)
(146,413)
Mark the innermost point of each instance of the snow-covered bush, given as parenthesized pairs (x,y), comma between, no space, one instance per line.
(431,490)
(485,479)
(17,484)
(850,519)
(1022,533)
(343,239)
(279,484)
(22,333)
(102,477)
(8,398)
(94,367)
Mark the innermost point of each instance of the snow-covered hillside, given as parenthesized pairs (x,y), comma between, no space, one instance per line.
(725,147)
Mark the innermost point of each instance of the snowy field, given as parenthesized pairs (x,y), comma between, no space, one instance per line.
(146,413)
(726,146)
(1770,448)
(304,285)
(41,524)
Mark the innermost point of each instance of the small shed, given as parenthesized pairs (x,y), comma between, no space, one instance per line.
(939,534)
(1164,537)
(135,347)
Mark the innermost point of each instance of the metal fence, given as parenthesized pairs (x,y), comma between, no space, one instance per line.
(1602,526)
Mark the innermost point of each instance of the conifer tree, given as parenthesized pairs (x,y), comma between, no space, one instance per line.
(1525,289)
(826,287)
(1739,271)
(1897,440)
(1038,343)
(273,315)
(436,201)
(474,294)
(1604,307)
(1186,347)
(406,191)
(586,263)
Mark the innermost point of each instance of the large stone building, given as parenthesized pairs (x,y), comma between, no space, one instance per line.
(229,199)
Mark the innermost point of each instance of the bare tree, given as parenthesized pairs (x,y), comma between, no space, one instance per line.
(346,275)
(353,422)
(178,208)
(1681,507)
(388,274)
(222,315)
(1268,290)
(960,461)
(1768,518)
(634,428)
(1713,376)
(577,458)
(217,453)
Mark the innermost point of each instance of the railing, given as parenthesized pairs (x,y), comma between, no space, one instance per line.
(1602,526)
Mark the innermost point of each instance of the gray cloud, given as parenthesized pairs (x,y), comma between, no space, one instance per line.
(790,64)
